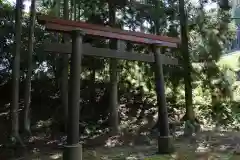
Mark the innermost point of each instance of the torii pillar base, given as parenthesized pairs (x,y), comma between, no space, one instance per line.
(73,152)
(165,145)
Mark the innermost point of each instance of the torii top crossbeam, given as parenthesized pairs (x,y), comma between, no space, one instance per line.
(61,25)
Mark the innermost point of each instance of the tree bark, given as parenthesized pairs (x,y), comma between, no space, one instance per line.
(186,62)
(113,76)
(157,32)
(16,72)
(64,69)
(79,11)
(74,10)
(27,94)
(71,10)
(92,79)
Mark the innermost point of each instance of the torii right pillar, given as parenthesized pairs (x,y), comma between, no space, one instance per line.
(165,141)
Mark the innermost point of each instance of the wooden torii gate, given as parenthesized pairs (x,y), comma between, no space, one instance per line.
(73,150)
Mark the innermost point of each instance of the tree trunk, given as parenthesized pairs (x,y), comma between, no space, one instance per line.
(92,79)
(113,76)
(191,123)
(64,70)
(74,10)
(71,10)
(27,94)
(16,72)
(186,63)
(157,32)
(175,84)
(79,11)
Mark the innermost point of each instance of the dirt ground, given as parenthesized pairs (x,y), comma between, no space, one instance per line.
(207,145)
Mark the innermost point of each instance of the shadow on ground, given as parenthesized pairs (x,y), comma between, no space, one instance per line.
(204,146)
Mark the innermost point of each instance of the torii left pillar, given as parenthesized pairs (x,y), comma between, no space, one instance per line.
(73,149)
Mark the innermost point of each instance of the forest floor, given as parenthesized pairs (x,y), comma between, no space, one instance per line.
(207,145)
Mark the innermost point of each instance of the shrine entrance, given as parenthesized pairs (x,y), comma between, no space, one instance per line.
(73,150)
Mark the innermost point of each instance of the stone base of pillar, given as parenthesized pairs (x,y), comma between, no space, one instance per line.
(72,152)
(165,145)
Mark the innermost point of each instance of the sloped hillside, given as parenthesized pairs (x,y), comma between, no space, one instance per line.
(231,60)
(230,65)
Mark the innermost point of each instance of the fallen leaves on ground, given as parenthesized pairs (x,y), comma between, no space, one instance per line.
(205,146)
